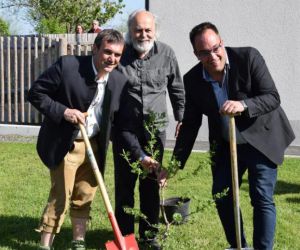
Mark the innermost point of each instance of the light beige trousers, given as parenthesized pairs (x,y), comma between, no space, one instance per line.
(73,185)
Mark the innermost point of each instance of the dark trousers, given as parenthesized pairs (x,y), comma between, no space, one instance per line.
(125,182)
(262,176)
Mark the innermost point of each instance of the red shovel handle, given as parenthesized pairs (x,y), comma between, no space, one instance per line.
(118,236)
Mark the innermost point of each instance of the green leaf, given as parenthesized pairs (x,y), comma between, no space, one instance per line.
(62,16)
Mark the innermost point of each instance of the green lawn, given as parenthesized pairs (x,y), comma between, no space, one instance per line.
(25,185)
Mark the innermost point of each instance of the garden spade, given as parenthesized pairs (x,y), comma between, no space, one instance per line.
(121,242)
(235,182)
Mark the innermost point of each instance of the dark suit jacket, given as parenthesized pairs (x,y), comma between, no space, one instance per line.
(70,83)
(264,126)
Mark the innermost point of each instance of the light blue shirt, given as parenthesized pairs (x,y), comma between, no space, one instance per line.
(221,93)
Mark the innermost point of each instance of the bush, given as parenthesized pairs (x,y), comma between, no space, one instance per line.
(4,28)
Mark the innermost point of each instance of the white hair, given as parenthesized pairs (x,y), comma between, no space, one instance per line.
(130,20)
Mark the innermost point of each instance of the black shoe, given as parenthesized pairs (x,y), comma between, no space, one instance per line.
(151,244)
(246,247)
(78,245)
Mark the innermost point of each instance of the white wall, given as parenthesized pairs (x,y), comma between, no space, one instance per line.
(273,27)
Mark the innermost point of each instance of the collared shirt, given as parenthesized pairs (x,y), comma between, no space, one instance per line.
(221,94)
(151,77)
(92,123)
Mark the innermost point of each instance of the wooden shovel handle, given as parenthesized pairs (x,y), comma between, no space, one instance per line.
(96,170)
(120,240)
(235,181)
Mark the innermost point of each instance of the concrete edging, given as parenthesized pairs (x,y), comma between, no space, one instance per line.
(31,130)
(23,130)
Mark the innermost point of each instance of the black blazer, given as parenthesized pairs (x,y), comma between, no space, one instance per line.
(70,83)
(264,126)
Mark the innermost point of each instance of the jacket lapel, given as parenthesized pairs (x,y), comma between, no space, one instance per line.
(233,76)
(105,111)
(206,87)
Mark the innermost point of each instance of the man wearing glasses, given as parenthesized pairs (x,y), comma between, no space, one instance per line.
(229,81)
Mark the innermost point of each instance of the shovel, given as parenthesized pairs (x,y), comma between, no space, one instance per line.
(121,242)
(235,182)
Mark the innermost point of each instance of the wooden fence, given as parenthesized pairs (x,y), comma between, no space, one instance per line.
(22,60)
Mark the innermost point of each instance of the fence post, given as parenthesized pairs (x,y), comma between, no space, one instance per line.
(22,40)
(2,79)
(22,61)
(8,66)
(29,68)
(36,71)
(63,47)
(16,79)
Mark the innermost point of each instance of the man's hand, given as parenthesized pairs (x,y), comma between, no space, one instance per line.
(232,108)
(74,116)
(177,128)
(162,178)
(149,163)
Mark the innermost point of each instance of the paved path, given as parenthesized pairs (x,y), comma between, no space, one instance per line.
(199,146)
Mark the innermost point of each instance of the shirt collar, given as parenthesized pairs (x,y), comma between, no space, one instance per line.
(206,75)
(152,51)
(96,73)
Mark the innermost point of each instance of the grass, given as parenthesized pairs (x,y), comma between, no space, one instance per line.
(25,185)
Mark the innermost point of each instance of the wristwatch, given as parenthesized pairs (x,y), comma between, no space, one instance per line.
(244,105)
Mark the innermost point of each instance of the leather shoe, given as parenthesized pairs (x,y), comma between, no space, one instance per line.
(78,245)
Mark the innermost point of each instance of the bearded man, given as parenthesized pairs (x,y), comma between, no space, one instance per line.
(152,69)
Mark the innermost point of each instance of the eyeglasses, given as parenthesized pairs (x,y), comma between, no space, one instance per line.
(205,53)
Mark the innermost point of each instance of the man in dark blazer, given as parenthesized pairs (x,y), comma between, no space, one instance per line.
(64,93)
(230,81)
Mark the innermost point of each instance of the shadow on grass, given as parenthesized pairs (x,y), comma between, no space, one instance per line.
(293,200)
(96,239)
(283,187)
(17,232)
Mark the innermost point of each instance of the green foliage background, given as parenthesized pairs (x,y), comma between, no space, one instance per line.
(53,16)
(4,28)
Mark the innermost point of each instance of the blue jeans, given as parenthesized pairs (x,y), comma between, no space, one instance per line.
(262,176)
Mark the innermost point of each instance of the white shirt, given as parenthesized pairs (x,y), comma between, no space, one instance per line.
(93,120)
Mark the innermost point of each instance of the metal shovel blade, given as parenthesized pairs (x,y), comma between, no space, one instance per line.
(130,244)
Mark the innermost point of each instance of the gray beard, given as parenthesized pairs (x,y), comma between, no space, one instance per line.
(142,47)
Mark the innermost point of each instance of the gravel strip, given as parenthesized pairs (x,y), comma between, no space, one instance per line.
(18,138)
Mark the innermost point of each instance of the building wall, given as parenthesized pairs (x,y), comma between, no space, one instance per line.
(270,26)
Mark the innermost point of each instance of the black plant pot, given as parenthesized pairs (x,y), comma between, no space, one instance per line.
(176,205)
